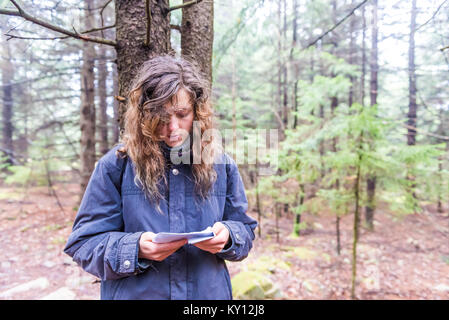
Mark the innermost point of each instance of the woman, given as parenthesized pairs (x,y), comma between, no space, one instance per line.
(153,182)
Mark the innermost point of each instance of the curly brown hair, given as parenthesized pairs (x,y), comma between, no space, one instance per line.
(157,82)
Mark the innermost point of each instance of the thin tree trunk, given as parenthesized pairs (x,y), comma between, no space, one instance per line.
(362,78)
(412,108)
(115,106)
(279,67)
(351,58)
(233,92)
(278,212)
(285,111)
(102,95)
(296,66)
(297,222)
(87,114)
(371,180)
(356,219)
(7,71)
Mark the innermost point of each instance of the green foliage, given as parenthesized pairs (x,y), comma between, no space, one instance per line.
(20,175)
(33,173)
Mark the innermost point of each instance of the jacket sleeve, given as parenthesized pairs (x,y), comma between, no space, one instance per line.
(240,225)
(97,242)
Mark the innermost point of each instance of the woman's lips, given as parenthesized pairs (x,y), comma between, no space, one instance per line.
(175,138)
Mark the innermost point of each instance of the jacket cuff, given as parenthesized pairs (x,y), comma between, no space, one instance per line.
(128,254)
(236,239)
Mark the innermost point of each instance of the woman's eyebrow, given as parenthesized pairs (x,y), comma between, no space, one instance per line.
(182,108)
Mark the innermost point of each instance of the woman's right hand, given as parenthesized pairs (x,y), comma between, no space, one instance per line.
(157,251)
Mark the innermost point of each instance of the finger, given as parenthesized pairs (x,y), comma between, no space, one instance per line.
(171,245)
(217,227)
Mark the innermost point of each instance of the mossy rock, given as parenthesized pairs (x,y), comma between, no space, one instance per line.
(248,285)
(300,252)
(268,264)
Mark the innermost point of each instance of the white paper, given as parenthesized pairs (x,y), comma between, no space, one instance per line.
(192,237)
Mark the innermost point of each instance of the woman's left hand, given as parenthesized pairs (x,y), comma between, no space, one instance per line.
(217,243)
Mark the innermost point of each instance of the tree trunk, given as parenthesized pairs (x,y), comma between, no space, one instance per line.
(412,107)
(133,46)
(102,94)
(7,71)
(371,179)
(284,70)
(362,78)
(197,35)
(87,114)
(356,218)
(296,66)
(115,107)
(351,58)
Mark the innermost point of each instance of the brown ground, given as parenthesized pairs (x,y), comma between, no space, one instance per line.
(404,259)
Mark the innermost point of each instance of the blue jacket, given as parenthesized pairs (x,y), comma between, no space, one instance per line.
(114,213)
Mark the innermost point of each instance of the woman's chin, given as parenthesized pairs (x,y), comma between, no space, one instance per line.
(173,144)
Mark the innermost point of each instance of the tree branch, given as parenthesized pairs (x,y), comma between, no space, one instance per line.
(175,27)
(148,15)
(10,12)
(337,24)
(433,16)
(22,13)
(12,36)
(184,5)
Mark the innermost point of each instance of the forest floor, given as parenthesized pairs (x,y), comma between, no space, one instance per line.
(402,259)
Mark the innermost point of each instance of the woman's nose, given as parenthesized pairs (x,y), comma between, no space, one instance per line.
(173,124)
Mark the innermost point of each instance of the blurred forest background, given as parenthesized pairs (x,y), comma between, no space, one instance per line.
(358,89)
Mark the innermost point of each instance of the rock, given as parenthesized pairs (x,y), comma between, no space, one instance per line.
(63,293)
(39,283)
(251,285)
(310,285)
(49,264)
(317,225)
(300,252)
(442,287)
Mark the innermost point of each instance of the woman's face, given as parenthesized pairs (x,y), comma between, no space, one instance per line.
(175,129)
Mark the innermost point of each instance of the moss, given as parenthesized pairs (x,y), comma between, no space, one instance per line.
(300,252)
(254,281)
(250,285)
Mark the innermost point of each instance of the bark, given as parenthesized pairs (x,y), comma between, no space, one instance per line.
(371,179)
(285,111)
(362,79)
(197,35)
(279,73)
(412,107)
(233,91)
(356,218)
(296,66)
(132,46)
(102,95)
(7,71)
(115,106)
(87,114)
(351,58)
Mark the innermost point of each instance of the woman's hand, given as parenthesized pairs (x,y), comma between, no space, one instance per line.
(217,243)
(157,251)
